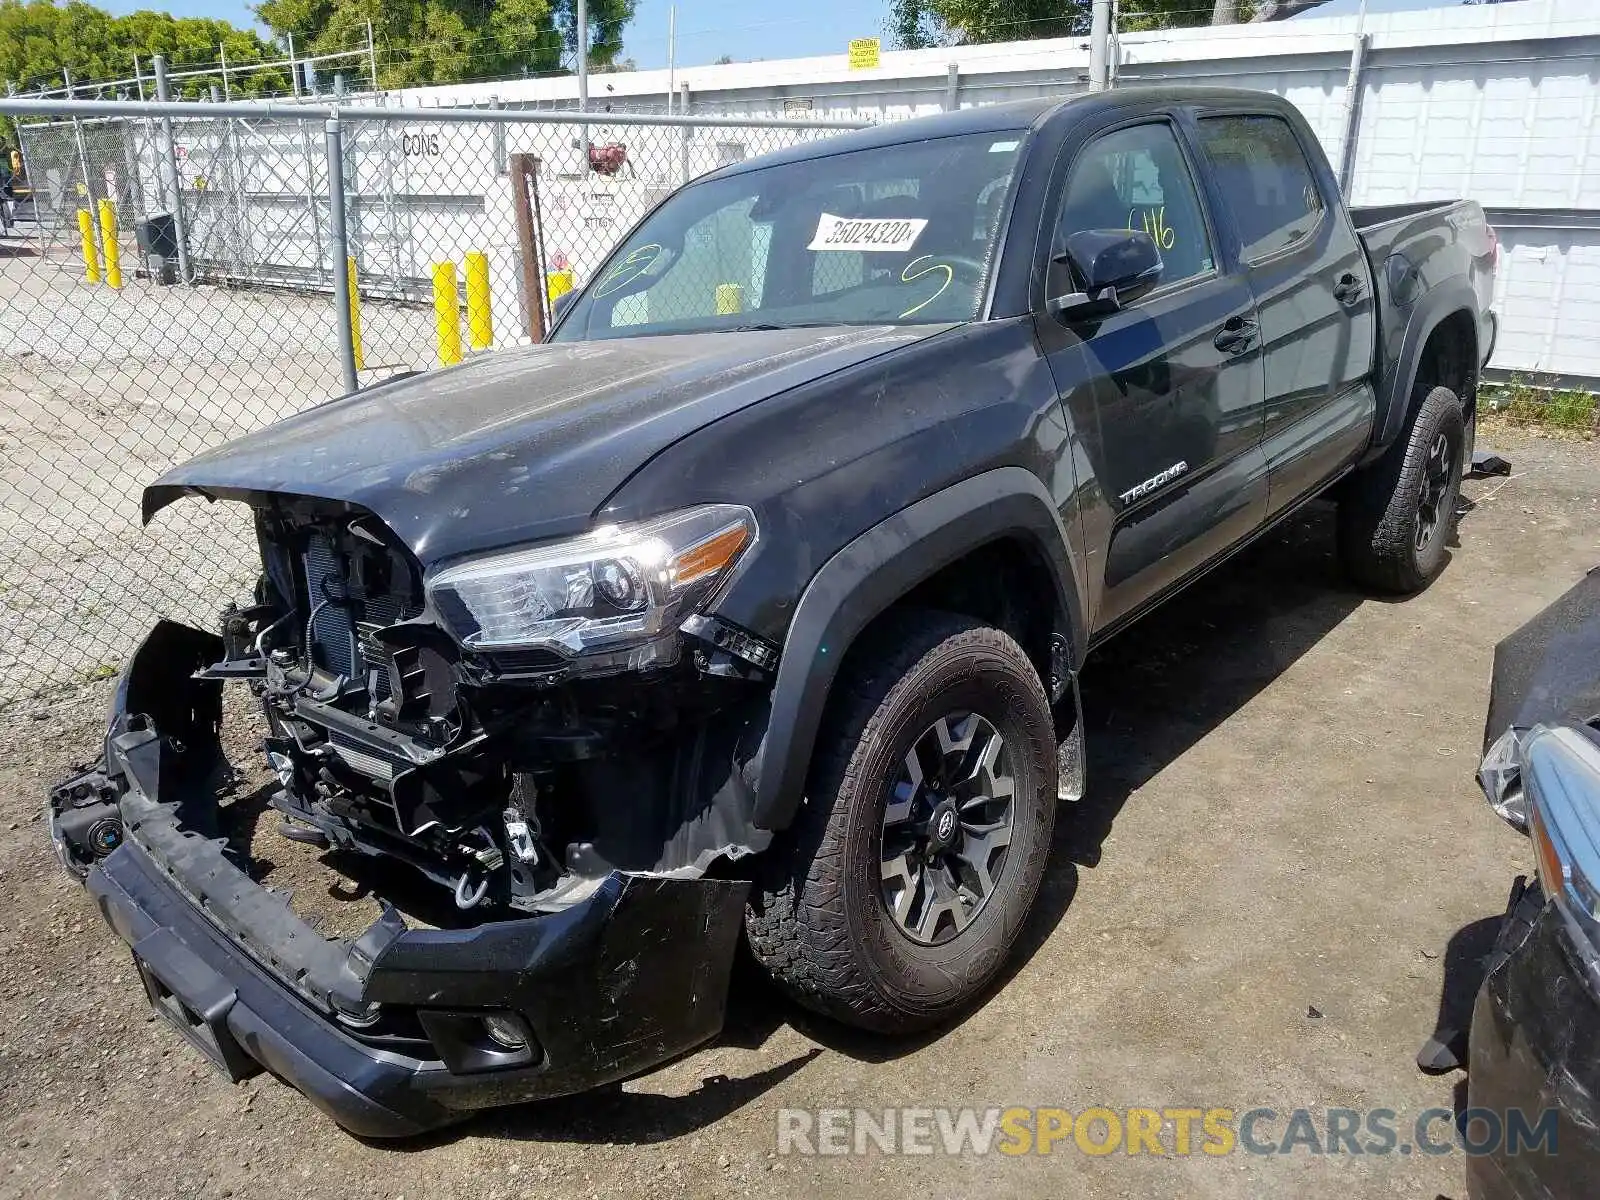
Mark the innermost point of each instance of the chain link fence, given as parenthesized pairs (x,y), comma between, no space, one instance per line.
(172,276)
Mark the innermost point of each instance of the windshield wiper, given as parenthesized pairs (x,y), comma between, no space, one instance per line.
(773,325)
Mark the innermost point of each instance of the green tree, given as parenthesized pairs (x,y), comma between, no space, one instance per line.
(38,39)
(446,41)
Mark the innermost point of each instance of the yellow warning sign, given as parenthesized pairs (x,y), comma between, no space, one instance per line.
(864,53)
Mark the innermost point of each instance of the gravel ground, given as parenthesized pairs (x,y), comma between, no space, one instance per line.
(1282,818)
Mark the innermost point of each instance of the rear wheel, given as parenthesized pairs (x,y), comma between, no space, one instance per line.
(1396,517)
(895,896)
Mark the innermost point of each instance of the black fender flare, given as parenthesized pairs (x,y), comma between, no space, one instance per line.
(868,575)
(1439,302)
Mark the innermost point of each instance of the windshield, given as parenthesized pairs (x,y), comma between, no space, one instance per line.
(898,235)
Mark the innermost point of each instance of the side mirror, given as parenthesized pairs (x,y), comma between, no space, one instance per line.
(563,302)
(1110,268)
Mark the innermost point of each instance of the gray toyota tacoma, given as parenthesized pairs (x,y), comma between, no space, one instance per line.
(751,605)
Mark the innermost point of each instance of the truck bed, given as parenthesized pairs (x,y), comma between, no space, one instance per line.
(1382,227)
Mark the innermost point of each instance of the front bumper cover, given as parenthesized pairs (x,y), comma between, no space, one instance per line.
(627,978)
(1535,1029)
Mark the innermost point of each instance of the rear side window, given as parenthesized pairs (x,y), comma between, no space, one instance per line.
(1265,180)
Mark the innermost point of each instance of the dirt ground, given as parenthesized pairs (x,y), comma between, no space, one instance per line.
(1282,819)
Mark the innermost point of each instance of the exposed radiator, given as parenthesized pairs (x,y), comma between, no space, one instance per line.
(339,626)
(360,758)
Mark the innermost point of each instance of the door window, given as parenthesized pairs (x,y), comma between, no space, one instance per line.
(1265,180)
(1136,178)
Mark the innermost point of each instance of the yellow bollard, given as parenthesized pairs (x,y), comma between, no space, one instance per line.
(108,239)
(91,253)
(355,313)
(480,319)
(730,299)
(557,284)
(447,313)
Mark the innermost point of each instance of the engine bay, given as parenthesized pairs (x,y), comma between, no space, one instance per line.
(498,777)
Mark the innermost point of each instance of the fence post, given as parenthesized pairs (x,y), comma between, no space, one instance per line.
(683,152)
(311,193)
(524,170)
(497,139)
(83,149)
(1352,112)
(952,87)
(339,248)
(172,184)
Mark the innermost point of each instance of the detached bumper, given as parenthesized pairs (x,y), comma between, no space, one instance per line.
(634,976)
(385,1033)
(1535,1048)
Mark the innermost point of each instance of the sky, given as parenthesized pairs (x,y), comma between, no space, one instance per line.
(708,29)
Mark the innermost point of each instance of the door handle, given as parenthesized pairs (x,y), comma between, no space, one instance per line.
(1347,289)
(1236,336)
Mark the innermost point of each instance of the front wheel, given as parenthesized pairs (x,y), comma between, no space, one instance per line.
(897,893)
(1396,517)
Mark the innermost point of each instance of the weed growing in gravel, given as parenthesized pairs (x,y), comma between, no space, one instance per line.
(1524,405)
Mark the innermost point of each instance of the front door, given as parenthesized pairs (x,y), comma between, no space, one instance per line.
(1165,395)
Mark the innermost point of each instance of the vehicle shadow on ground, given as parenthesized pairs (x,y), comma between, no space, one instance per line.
(1466,966)
(611,1115)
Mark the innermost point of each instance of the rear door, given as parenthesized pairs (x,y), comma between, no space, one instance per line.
(1166,394)
(1312,289)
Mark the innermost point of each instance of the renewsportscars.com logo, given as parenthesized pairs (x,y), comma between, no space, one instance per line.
(1180,1132)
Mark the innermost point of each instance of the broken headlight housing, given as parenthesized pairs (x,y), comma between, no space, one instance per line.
(610,600)
(1553,782)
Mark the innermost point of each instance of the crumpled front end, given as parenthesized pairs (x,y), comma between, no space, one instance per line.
(582,822)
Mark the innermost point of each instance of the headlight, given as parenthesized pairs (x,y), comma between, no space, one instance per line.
(1560,769)
(611,599)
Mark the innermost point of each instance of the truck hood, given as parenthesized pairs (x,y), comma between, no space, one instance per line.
(521,444)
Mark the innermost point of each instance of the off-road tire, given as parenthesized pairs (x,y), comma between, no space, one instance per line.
(1379,508)
(817,919)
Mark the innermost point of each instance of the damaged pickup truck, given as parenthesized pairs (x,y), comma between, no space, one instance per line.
(752,604)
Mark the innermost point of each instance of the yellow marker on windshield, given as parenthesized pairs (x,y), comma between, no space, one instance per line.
(730,299)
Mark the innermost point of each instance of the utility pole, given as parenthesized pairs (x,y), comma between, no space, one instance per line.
(294,71)
(672,54)
(372,56)
(583,56)
(583,77)
(1099,46)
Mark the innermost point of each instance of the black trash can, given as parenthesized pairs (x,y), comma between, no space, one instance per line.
(158,236)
